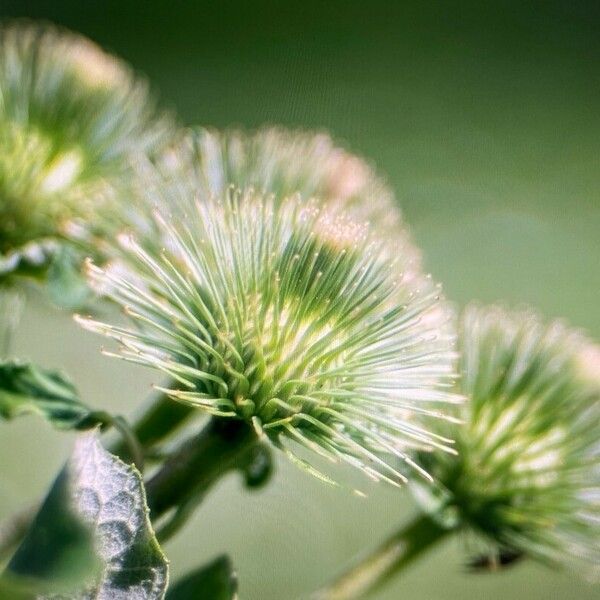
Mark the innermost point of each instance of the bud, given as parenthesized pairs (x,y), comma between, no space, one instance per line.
(283,162)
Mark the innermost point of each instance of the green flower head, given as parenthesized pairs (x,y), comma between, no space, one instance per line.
(527,475)
(282,313)
(70,114)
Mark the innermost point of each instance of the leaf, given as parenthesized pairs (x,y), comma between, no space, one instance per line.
(57,555)
(28,389)
(215,581)
(93,535)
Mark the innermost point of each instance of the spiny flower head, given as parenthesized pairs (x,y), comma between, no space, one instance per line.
(70,114)
(527,475)
(281,313)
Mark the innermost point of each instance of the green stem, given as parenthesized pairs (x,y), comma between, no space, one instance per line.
(187,475)
(395,554)
(129,441)
(162,417)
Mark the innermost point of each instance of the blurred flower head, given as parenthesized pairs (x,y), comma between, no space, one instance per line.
(527,475)
(282,312)
(70,114)
(278,161)
(283,162)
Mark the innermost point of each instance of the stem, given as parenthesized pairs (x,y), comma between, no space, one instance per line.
(161,418)
(181,482)
(131,446)
(390,558)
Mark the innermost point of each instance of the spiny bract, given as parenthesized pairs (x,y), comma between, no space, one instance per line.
(281,313)
(70,114)
(527,474)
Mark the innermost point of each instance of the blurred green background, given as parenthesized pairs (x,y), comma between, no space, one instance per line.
(485,119)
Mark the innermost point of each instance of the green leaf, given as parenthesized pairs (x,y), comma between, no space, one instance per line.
(92,537)
(28,389)
(215,581)
(58,553)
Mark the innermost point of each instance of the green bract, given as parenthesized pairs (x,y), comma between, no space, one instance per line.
(278,163)
(284,314)
(527,475)
(70,115)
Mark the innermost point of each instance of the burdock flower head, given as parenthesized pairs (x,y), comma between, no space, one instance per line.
(527,475)
(281,313)
(69,116)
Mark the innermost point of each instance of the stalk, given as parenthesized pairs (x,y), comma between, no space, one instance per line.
(161,417)
(188,474)
(394,555)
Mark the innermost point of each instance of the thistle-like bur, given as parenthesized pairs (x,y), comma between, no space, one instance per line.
(527,474)
(282,314)
(70,115)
